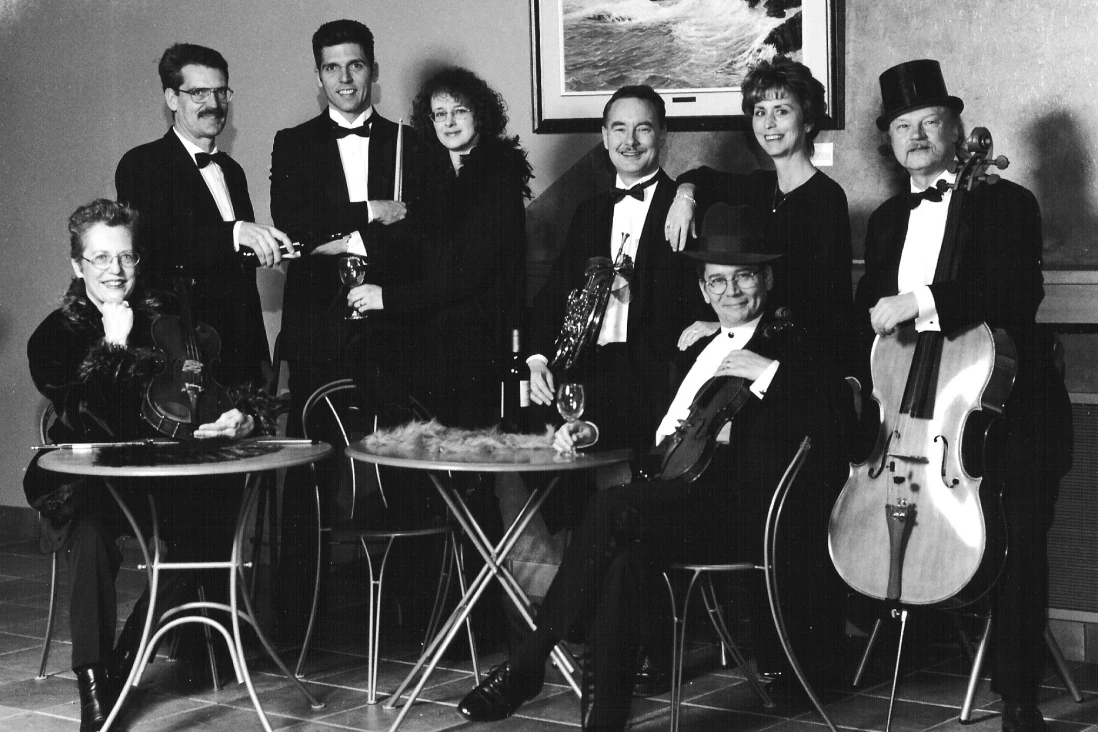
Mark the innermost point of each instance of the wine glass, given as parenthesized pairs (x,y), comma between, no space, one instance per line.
(352,273)
(570,401)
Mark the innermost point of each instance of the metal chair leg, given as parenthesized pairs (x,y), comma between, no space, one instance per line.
(49,621)
(678,645)
(716,617)
(214,675)
(1061,666)
(445,576)
(459,560)
(373,643)
(316,585)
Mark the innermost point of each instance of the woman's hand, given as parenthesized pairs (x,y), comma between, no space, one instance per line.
(679,225)
(695,332)
(117,322)
(365,297)
(233,424)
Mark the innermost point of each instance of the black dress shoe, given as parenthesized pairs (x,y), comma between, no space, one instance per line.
(499,695)
(1022,717)
(97,696)
(650,679)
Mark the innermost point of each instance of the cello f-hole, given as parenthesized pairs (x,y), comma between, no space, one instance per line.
(945,452)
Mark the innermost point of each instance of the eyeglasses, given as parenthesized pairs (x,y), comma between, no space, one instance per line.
(460,115)
(745,280)
(201,95)
(103,261)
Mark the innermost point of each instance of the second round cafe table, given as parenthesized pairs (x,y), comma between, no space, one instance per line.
(499,460)
(155,459)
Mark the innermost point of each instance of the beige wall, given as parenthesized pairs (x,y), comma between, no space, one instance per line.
(79,87)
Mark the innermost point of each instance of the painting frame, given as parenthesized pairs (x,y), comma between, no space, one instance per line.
(556,111)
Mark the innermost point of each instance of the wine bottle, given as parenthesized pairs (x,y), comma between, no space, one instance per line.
(515,398)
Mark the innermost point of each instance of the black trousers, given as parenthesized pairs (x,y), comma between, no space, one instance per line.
(196,523)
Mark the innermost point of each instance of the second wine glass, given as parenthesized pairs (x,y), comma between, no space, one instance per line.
(570,400)
(352,273)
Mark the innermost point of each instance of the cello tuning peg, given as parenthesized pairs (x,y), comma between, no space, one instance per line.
(991,179)
(1000,162)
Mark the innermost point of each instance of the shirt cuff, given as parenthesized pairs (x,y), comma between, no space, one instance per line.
(355,244)
(537,358)
(761,384)
(370,215)
(927,319)
(236,236)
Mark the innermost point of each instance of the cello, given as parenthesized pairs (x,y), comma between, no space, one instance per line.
(184,396)
(910,526)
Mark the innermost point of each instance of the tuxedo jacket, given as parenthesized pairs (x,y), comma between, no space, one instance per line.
(310,202)
(664,295)
(183,234)
(999,282)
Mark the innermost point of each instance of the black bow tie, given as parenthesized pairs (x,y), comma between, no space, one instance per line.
(637,191)
(931,193)
(362,130)
(202,159)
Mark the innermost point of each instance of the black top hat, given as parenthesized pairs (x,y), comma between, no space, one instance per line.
(731,235)
(914,85)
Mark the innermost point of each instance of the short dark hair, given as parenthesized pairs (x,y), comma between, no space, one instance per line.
(338,32)
(99,211)
(488,108)
(637,91)
(179,55)
(794,79)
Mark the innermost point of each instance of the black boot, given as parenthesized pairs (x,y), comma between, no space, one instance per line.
(97,696)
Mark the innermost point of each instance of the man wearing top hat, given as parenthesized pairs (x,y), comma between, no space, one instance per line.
(631,532)
(998,282)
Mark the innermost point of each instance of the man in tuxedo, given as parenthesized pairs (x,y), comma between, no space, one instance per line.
(998,282)
(332,189)
(629,533)
(627,369)
(196,216)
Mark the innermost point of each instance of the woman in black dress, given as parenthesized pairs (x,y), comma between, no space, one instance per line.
(804,208)
(471,242)
(92,359)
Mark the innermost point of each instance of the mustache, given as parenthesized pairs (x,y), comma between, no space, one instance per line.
(216,113)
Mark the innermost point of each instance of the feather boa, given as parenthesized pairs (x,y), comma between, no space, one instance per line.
(437,438)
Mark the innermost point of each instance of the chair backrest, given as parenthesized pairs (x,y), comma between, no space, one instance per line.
(777,502)
(45,422)
(338,414)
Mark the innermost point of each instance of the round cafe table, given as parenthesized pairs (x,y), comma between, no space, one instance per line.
(438,465)
(166,459)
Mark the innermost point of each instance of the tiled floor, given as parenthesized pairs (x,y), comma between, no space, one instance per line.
(716,699)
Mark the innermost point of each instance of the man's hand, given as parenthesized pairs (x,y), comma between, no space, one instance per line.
(694,333)
(117,322)
(575,434)
(365,297)
(233,424)
(388,212)
(679,225)
(335,246)
(890,312)
(542,389)
(745,364)
(265,242)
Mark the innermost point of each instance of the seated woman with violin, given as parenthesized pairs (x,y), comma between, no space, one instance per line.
(93,358)
(631,532)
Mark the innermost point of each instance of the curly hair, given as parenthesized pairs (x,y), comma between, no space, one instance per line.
(488,108)
(788,77)
(99,211)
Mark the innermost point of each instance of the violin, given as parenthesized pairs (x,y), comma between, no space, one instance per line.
(910,526)
(184,395)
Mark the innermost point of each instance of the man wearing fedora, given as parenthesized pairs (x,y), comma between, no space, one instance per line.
(998,282)
(631,532)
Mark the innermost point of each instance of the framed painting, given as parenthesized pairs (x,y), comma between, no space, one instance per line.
(695,53)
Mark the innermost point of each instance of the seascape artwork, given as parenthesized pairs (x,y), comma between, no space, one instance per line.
(672,44)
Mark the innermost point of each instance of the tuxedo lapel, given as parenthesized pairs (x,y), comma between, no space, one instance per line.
(380,176)
(192,186)
(647,248)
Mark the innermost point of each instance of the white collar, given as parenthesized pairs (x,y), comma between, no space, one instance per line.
(192,149)
(619,183)
(340,120)
(742,332)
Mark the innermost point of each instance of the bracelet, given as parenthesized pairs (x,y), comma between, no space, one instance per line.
(687,196)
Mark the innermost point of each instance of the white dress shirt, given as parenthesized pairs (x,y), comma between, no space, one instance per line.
(925,229)
(625,233)
(707,363)
(215,181)
(354,153)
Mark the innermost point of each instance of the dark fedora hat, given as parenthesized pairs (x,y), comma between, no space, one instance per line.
(731,235)
(914,85)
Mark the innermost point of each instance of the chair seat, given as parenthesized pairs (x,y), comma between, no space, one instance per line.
(352,530)
(730,567)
